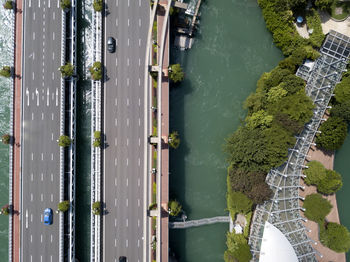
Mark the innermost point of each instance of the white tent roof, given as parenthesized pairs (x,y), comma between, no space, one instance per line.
(275,247)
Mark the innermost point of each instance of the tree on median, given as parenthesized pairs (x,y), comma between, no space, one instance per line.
(98,5)
(66,70)
(63,206)
(64,141)
(8,4)
(65,4)
(96,71)
(96,208)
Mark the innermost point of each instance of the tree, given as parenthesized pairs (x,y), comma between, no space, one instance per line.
(331,183)
(342,90)
(8,4)
(237,202)
(276,93)
(63,206)
(174,208)
(324,4)
(238,248)
(96,71)
(64,141)
(174,140)
(97,139)
(66,70)
(293,84)
(5,210)
(96,208)
(259,119)
(5,71)
(65,4)
(336,237)
(175,73)
(98,5)
(6,139)
(333,134)
(342,111)
(315,173)
(260,193)
(317,207)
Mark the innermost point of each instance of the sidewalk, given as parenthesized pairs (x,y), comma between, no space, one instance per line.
(17,134)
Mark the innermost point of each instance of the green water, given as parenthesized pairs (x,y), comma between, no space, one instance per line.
(232,49)
(342,165)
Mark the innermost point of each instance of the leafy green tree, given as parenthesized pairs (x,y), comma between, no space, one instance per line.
(96,71)
(64,141)
(336,237)
(293,84)
(255,102)
(287,123)
(315,173)
(342,111)
(5,210)
(174,208)
(237,202)
(324,4)
(275,77)
(98,5)
(333,134)
(65,4)
(259,119)
(8,4)
(96,208)
(6,139)
(317,207)
(331,183)
(238,248)
(63,206)
(97,139)
(313,21)
(5,71)
(66,70)
(174,140)
(276,93)
(342,90)
(175,73)
(260,193)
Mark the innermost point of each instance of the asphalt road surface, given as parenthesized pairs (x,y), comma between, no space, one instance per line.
(41,116)
(127,21)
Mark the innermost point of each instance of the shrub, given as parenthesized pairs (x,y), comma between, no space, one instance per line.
(174,140)
(65,4)
(324,4)
(315,173)
(97,139)
(98,5)
(342,111)
(8,4)
(5,210)
(63,206)
(96,71)
(238,248)
(237,202)
(342,90)
(175,73)
(66,70)
(5,71)
(174,208)
(317,207)
(331,183)
(314,22)
(96,208)
(336,237)
(259,119)
(334,132)
(6,139)
(64,141)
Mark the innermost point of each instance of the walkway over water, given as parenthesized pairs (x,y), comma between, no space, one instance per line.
(199,222)
(283,210)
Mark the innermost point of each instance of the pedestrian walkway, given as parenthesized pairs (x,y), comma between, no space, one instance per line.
(16,234)
(199,222)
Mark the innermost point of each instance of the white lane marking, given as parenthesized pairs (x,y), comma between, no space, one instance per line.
(42,177)
(58,3)
(115,222)
(34,16)
(31,241)
(52,117)
(116,61)
(115,202)
(41,197)
(128,3)
(49,4)
(116,22)
(33,55)
(138,202)
(31,197)
(127,243)
(139,122)
(26,218)
(51,197)
(128,22)
(51,177)
(127,142)
(51,156)
(33,35)
(138,182)
(116,122)
(56,96)
(51,136)
(31,217)
(54,16)
(39,3)
(33,74)
(139,142)
(44,37)
(139,63)
(42,116)
(41,257)
(53,55)
(115,102)
(127,182)
(128,41)
(41,217)
(138,243)
(127,121)
(115,242)
(139,162)
(139,81)
(50,258)
(53,78)
(32,116)
(115,141)
(27,94)
(115,161)
(127,81)
(139,2)
(115,181)
(128,62)
(139,102)
(51,237)
(116,3)
(31,177)
(139,41)
(30,3)
(127,161)
(41,238)
(42,156)
(138,222)
(32,156)
(127,202)
(37,96)
(116,82)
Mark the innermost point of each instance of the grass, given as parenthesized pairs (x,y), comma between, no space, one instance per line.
(346,10)
(154,192)
(154,159)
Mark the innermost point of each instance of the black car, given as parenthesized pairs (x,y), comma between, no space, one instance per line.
(122,259)
(111,44)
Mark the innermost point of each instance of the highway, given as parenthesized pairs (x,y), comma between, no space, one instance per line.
(127,21)
(40,120)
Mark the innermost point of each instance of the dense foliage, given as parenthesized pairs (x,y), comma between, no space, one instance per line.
(342,110)
(175,73)
(313,21)
(336,237)
(174,208)
(66,70)
(64,141)
(314,173)
(237,249)
(333,134)
(8,4)
(324,4)
(63,206)
(65,4)
(5,71)
(317,207)
(98,5)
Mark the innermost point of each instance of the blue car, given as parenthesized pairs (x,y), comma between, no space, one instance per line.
(48,216)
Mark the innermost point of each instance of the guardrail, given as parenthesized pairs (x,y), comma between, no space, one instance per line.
(72,130)
(11,133)
(96,86)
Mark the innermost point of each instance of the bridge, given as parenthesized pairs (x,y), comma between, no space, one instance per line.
(199,222)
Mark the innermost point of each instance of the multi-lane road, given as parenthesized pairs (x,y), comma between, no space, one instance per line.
(40,116)
(127,21)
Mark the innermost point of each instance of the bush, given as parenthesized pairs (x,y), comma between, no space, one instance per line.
(334,132)
(98,5)
(238,248)
(8,4)
(65,4)
(96,208)
(175,73)
(6,139)
(64,141)
(5,71)
(174,140)
(342,90)
(342,111)
(5,210)
(315,173)
(314,22)
(96,71)
(66,70)
(97,139)
(237,202)
(63,206)
(331,183)
(317,207)
(336,237)
(174,208)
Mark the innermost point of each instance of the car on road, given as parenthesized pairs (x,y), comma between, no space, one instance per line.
(48,216)
(111,44)
(122,259)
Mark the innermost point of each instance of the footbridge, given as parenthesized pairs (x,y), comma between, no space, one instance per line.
(199,222)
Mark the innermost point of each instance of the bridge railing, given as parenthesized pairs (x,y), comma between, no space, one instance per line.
(199,222)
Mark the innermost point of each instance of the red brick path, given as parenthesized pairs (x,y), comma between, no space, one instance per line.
(17,133)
